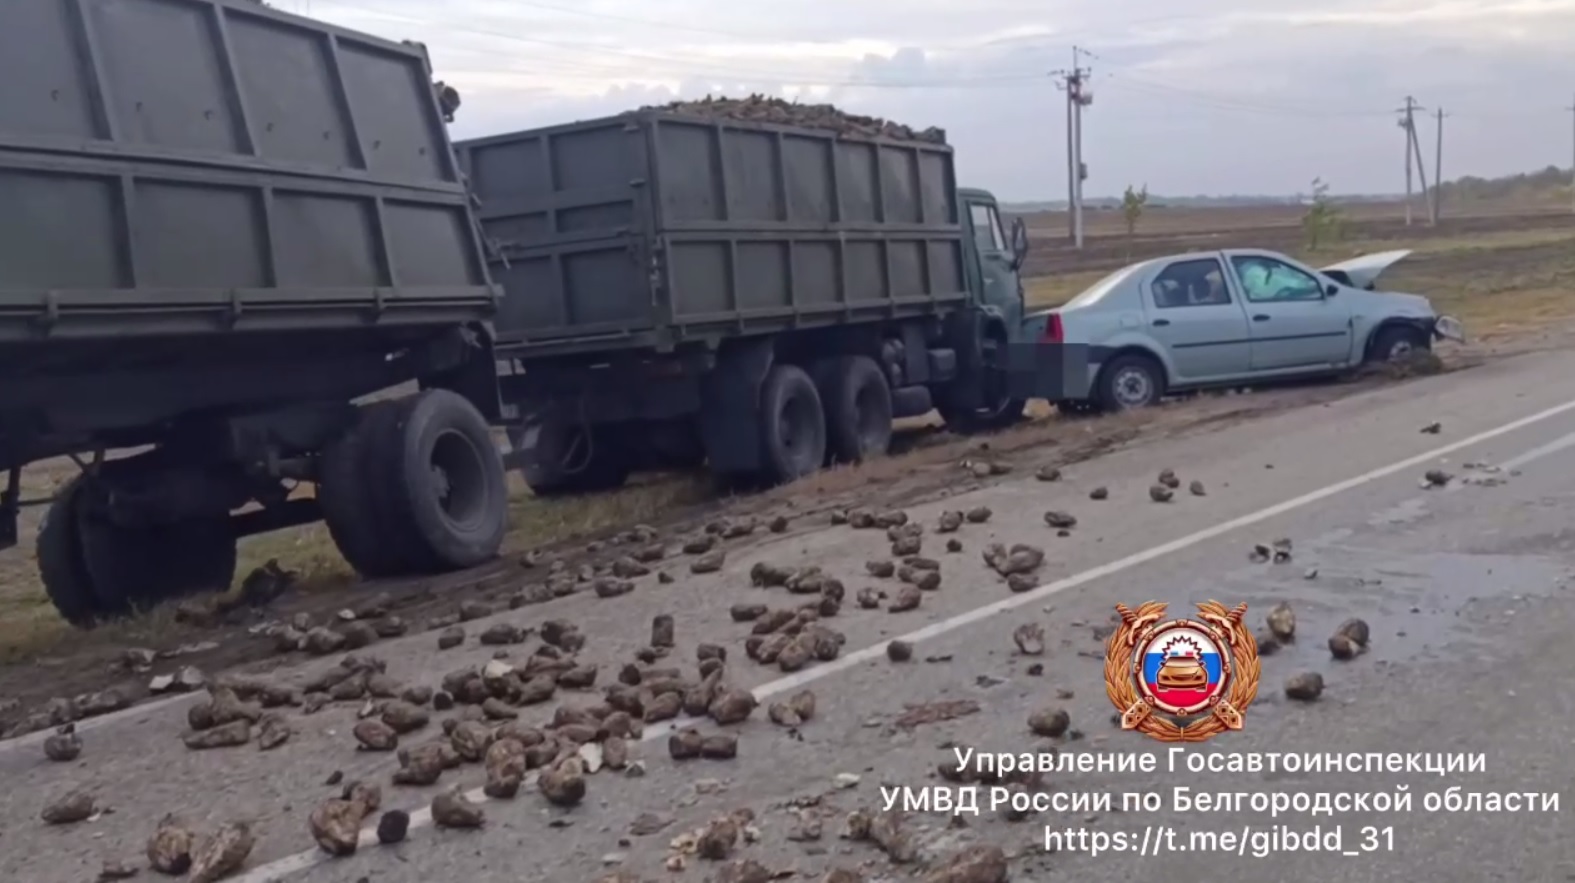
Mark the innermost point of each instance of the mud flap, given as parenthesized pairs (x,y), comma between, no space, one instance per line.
(1051,371)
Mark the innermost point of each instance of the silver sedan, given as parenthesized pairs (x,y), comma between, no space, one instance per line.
(1214,319)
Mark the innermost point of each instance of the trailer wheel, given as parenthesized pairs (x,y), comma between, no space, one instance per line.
(570,459)
(453,481)
(857,400)
(138,566)
(792,424)
(60,566)
(346,499)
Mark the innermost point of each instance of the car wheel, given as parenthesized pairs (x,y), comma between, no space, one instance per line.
(1128,382)
(1397,343)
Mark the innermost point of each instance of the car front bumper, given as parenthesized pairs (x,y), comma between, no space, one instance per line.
(1449,328)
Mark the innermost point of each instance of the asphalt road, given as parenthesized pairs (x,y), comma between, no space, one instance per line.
(1465,590)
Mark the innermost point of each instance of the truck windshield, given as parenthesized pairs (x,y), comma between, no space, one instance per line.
(1104,286)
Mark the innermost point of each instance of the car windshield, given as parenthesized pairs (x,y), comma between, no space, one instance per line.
(1099,289)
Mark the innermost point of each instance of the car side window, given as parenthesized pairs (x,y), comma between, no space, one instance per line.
(1191,283)
(987,234)
(1266,280)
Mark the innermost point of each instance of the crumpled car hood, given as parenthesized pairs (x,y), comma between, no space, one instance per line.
(1364,271)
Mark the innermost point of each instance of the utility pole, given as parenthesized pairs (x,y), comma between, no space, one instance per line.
(1438,167)
(1571,109)
(1074,83)
(1408,123)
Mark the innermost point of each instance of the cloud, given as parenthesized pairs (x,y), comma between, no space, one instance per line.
(1228,97)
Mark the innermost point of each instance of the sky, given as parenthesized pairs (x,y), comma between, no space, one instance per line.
(1227,97)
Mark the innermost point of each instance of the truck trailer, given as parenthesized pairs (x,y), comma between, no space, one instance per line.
(220,226)
(753,285)
(227,233)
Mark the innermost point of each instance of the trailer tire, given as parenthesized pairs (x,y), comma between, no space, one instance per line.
(58,547)
(450,484)
(857,401)
(133,567)
(607,467)
(792,425)
(345,495)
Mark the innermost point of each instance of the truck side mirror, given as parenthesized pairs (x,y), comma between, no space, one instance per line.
(1019,243)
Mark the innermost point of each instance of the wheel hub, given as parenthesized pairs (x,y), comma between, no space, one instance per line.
(1132,387)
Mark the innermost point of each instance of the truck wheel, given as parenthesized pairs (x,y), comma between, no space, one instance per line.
(60,566)
(344,494)
(792,424)
(857,400)
(437,482)
(570,459)
(999,410)
(1130,381)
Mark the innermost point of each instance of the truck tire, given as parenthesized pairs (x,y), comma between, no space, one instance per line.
(60,567)
(857,400)
(999,410)
(563,470)
(436,483)
(792,425)
(344,493)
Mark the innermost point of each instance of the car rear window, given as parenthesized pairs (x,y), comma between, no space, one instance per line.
(1099,289)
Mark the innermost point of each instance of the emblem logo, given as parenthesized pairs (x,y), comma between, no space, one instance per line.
(1181,680)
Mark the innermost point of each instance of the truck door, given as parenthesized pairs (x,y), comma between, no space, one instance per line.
(999,284)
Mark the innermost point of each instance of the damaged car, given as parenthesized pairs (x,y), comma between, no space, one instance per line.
(1228,318)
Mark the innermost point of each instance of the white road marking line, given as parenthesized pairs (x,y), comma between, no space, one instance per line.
(421,818)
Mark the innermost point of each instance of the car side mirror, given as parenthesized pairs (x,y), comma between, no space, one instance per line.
(1331,290)
(1019,243)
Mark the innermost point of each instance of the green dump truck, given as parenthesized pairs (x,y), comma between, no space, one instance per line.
(756,285)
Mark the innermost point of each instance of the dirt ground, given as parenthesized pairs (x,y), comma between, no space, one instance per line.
(1508,275)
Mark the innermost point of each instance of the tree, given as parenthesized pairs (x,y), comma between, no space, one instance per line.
(1323,223)
(1132,204)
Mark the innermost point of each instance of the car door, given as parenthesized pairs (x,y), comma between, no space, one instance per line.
(1195,318)
(1293,322)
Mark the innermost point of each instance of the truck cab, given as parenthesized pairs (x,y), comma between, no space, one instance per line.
(1018,356)
(992,259)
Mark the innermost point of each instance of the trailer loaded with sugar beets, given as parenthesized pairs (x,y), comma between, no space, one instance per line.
(221,226)
(756,285)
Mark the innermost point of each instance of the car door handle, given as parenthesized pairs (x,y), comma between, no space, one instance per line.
(1260,317)
(1161,322)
